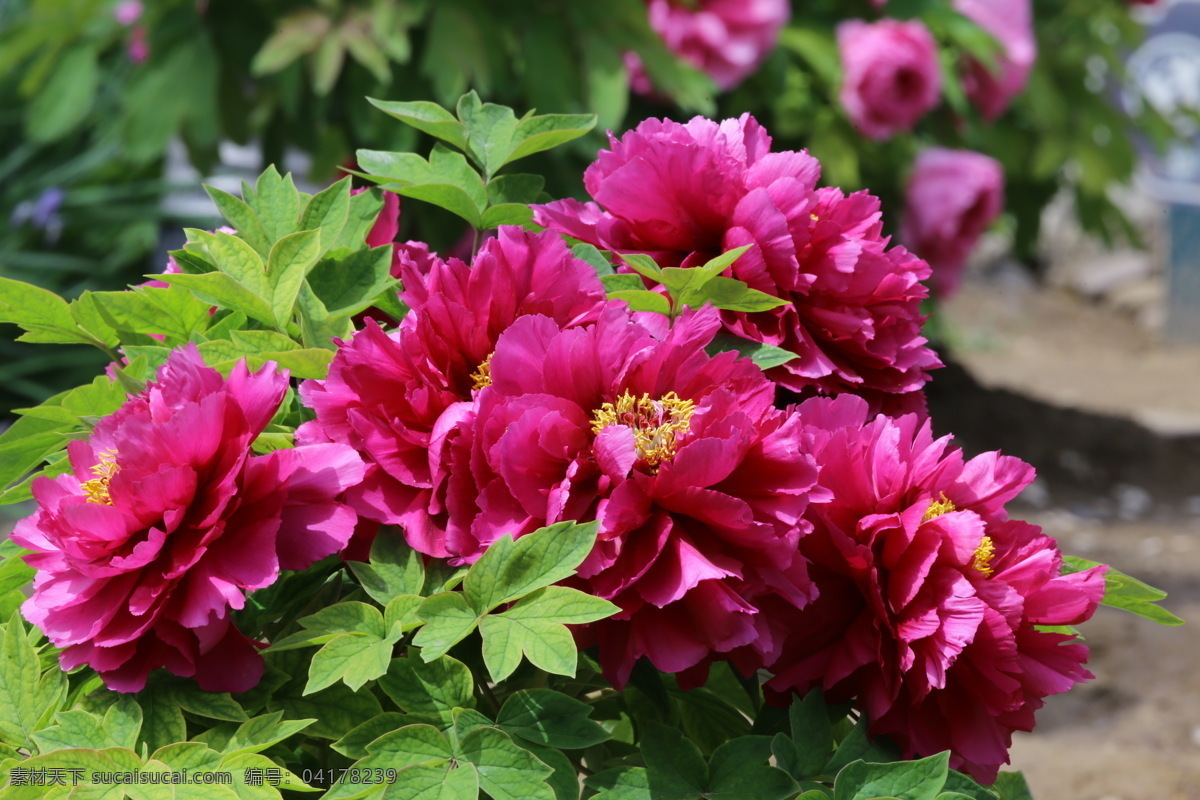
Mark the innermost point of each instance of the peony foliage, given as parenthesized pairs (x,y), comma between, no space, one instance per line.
(548,520)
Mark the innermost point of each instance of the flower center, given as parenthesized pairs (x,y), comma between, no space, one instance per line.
(983,556)
(938,507)
(656,424)
(97,488)
(482,376)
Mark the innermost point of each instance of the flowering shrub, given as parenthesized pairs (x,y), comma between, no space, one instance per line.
(560,530)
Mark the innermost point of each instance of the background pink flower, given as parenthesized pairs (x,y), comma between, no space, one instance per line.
(167,519)
(951,198)
(891,76)
(929,599)
(727,39)
(1011,23)
(684,193)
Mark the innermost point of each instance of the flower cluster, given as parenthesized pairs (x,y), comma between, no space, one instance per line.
(683,193)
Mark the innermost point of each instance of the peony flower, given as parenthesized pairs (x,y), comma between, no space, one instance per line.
(951,198)
(127,12)
(1011,23)
(930,601)
(698,482)
(891,77)
(388,395)
(727,39)
(167,519)
(684,193)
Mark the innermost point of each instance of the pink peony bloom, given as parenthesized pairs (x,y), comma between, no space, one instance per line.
(390,395)
(1011,23)
(951,198)
(727,39)
(891,76)
(137,47)
(930,600)
(684,193)
(167,519)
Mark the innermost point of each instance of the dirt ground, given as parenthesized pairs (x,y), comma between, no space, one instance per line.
(1134,732)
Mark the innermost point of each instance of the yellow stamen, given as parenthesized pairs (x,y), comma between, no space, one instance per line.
(814,218)
(97,488)
(656,424)
(482,376)
(938,507)
(983,556)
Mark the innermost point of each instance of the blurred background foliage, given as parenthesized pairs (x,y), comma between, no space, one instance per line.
(95,95)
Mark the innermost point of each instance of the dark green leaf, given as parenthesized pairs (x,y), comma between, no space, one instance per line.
(550,718)
(921,779)
(676,770)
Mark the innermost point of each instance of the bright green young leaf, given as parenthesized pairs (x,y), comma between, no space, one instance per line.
(535,628)
(349,284)
(256,735)
(445,180)
(88,318)
(448,620)
(410,746)
(921,779)
(520,188)
(506,771)
(400,615)
(346,617)
(508,570)
(363,212)
(24,698)
(14,572)
(429,782)
(505,214)
(490,132)
(242,219)
(535,134)
(643,265)
(240,765)
(643,300)
(288,265)
(162,719)
(352,658)
(276,202)
(354,743)
(621,282)
(328,212)
(1126,592)
(318,327)
(236,259)
(427,117)
(217,288)
(434,688)
(43,314)
(72,729)
(600,262)
(123,722)
(212,705)
(550,718)
(766,356)
(734,295)
(173,311)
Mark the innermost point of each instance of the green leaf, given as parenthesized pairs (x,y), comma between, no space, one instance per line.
(336,710)
(508,570)
(565,778)
(173,311)
(506,771)
(448,620)
(959,784)
(643,300)
(76,728)
(1126,592)
(535,627)
(363,213)
(346,617)
(739,771)
(766,356)
(490,132)
(550,718)
(14,572)
(708,720)
(327,212)
(24,697)
(276,202)
(921,779)
(289,263)
(257,734)
(858,746)
(66,99)
(45,315)
(426,117)
(242,218)
(643,265)
(506,214)
(599,262)
(394,569)
(217,288)
(354,743)
(445,180)
(1012,786)
(437,687)
(622,282)
(676,770)
(535,134)
(520,188)
(401,615)
(734,295)
(162,720)
(409,747)
(349,284)
(353,658)
(241,764)
(236,258)
(620,783)
(811,744)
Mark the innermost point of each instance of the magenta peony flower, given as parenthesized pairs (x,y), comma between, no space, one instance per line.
(127,12)
(684,193)
(727,39)
(390,396)
(930,600)
(891,77)
(697,480)
(1011,23)
(951,198)
(167,519)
